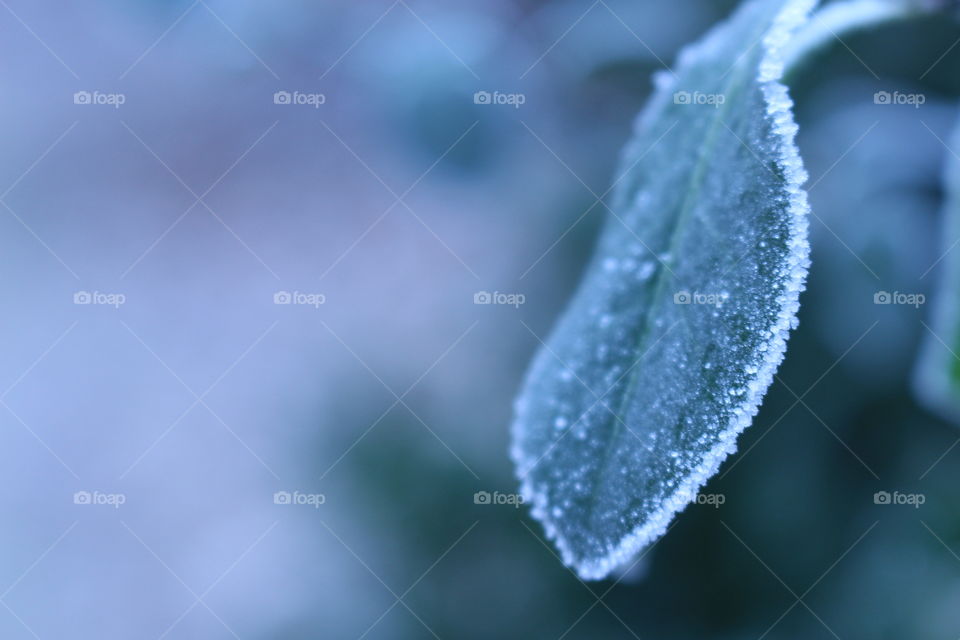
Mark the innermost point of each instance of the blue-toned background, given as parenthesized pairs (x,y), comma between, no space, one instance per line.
(159,403)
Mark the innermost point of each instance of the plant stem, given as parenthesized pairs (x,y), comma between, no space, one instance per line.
(834,21)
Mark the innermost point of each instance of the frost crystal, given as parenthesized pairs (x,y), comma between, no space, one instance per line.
(665,352)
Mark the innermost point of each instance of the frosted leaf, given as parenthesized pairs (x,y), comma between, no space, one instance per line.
(697,280)
(938,376)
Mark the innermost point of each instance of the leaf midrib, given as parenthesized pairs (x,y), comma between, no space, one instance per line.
(694,187)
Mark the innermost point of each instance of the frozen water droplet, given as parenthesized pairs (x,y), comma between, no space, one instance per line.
(646,270)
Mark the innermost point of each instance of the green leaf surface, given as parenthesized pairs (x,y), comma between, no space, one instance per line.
(938,374)
(673,337)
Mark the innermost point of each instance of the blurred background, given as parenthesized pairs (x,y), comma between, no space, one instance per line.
(248,384)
